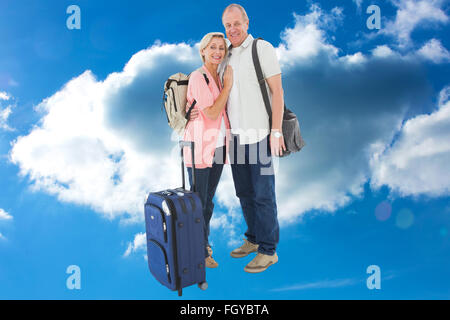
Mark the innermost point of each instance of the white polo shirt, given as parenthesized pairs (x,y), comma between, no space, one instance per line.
(246,110)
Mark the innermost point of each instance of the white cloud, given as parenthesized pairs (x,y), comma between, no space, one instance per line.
(337,283)
(139,244)
(308,37)
(325,284)
(444,96)
(344,104)
(4,95)
(4,115)
(434,51)
(382,51)
(5,112)
(358,3)
(76,155)
(230,220)
(104,144)
(354,59)
(418,162)
(412,14)
(5,215)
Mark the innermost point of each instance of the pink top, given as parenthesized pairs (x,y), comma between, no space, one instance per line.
(203,130)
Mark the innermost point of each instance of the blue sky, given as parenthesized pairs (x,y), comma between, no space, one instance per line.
(83,139)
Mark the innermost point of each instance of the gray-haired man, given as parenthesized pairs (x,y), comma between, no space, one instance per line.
(251,134)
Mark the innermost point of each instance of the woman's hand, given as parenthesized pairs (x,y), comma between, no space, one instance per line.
(193,115)
(212,112)
(228,78)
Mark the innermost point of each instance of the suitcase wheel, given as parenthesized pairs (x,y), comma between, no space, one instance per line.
(203,285)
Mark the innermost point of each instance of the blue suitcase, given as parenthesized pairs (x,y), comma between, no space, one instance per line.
(175,235)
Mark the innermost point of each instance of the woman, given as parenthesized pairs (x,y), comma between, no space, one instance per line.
(210,128)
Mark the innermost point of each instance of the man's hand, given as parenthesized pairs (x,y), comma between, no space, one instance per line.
(277,146)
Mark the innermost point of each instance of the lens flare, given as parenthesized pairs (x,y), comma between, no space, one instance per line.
(383,211)
(404,219)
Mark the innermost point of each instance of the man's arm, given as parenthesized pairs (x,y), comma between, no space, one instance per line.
(276,144)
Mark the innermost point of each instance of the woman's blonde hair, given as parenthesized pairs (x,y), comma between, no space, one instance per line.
(207,39)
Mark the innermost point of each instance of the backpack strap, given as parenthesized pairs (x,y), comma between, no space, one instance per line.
(206,78)
(188,113)
(204,74)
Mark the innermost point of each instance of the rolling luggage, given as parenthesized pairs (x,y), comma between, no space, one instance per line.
(175,234)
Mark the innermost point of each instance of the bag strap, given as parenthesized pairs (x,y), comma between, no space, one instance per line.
(206,78)
(188,113)
(204,74)
(261,80)
(190,109)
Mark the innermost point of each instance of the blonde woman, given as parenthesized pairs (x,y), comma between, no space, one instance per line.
(209,126)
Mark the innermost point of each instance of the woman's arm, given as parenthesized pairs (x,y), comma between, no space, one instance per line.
(213,111)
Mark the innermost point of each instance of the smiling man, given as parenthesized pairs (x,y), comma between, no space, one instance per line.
(254,178)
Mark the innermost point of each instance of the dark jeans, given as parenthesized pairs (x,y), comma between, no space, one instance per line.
(206,181)
(254,181)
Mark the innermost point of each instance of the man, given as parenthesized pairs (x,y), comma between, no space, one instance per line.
(254,181)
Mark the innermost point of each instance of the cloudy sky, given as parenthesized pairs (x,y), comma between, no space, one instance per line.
(83,140)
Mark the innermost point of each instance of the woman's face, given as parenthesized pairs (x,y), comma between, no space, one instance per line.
(214,51)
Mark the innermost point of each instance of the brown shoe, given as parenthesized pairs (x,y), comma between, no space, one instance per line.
(260,263)
(210,262)
(244,250)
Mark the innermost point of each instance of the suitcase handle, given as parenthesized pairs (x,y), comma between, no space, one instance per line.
(189,144)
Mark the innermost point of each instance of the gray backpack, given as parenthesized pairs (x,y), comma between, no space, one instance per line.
(175,101)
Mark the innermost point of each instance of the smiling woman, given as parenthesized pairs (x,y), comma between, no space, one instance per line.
(208,125)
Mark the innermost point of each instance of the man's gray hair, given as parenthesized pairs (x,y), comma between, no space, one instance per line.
(237,6)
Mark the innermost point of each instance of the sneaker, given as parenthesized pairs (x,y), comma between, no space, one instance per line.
(260,263)
(244,250)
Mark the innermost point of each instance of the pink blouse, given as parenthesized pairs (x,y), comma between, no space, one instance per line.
(203,130)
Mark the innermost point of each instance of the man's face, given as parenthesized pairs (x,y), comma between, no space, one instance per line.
(235,26)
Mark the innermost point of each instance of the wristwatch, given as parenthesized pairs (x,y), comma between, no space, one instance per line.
(277,133)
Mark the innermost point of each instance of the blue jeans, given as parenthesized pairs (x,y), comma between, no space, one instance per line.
(254,181)
(206,181)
